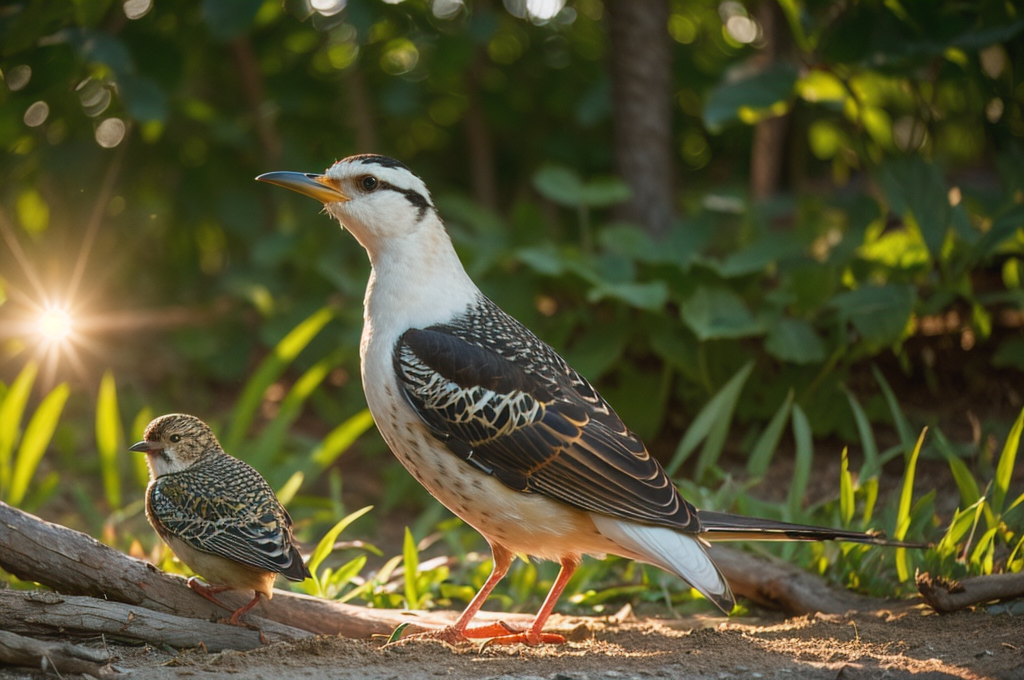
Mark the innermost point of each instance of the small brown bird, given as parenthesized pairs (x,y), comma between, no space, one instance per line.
(218,515)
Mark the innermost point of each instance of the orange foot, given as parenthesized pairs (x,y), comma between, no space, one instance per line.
(499,633)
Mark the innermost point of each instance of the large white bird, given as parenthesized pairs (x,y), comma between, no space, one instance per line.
(494,423)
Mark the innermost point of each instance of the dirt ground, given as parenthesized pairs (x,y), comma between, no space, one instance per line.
(908,643)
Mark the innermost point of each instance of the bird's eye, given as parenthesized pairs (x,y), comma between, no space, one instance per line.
(175,438)
(369,183)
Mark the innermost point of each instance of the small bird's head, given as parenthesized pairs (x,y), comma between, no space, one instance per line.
(175,442)
(376,198)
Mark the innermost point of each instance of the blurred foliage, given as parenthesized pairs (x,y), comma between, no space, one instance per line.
(132,130)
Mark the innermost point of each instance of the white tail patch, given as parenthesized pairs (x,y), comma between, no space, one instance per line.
(675,552)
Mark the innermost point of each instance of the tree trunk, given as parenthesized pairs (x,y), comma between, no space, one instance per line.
(767,154)
(641,73)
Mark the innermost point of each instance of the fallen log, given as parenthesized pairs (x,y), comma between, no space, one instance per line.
(61,657)
(73,563)
(42,613)
(947,595)
(779,585)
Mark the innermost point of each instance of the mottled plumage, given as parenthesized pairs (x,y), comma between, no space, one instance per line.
(216,512)
(493,422)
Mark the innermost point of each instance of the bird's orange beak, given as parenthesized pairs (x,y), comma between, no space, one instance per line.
(320,187)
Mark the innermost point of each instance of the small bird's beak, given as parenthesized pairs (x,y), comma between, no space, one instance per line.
(320,187)
(144,446)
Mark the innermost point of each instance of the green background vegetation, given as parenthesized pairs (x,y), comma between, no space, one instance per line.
(874,287)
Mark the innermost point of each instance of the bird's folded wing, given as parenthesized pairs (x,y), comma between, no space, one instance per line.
(534,424)
(224,522)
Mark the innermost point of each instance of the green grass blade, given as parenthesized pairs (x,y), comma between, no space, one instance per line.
(969,492)
(871,467)
(270,370)
(290,488)
(109,438)
(36,439)
(899,420)
(720,407)
(340,438)
(870,487)
(272,437)
(1004,469)
(768,442)
(326,544)
(903,512)
(11,411)
(846,500)
(804,458)
(411,560)
(347,572)
(142,419)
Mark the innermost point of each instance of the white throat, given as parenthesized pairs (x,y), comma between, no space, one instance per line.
(417,281)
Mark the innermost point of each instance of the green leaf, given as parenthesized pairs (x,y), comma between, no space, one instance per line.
(340,438)
(348,571)
(142,419)
(768,442)
(559,184)
(651,295)
(326,545)
(719,408)
(11,411)
(143,98)
(36,439)
(273,435)
(802,465)
(411,559)
(602,192)
(1004,469)
(270,370)
(903,511)
(898,419)
(846,501)
(915,186)
(230,19)
(795,341)
(716,312)
(109,438)
(755,93)
(287,492)
(871,467)
(879,313)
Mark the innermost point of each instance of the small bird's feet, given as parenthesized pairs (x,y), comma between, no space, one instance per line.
(207,591)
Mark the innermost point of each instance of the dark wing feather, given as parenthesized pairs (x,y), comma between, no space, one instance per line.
(224,507)
(506,403)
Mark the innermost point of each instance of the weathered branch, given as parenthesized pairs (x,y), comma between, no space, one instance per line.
(946,595)
(778,585)
(62,657)
(71,562)
(43,612)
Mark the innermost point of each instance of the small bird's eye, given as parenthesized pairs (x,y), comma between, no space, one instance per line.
(369,183)
(175,438)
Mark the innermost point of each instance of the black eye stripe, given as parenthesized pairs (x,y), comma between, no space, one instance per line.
(418,200)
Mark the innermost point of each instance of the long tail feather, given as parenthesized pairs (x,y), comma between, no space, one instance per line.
(722,526)
(674,551)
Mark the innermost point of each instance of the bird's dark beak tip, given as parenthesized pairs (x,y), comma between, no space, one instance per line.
(142,446)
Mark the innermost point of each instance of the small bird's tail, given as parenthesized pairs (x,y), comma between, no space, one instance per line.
(674,551)
(722,526)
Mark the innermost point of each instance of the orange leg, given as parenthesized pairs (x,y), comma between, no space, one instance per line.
(460,630)
(234,620)
(207,591)
(535,636)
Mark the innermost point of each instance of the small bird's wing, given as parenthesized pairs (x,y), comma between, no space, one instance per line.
(224,507)
(505,402)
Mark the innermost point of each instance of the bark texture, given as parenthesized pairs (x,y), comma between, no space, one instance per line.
(641,73)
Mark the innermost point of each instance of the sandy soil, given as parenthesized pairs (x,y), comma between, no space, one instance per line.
(910,643)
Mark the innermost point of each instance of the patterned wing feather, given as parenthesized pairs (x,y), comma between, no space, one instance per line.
(224,507)
(505,402)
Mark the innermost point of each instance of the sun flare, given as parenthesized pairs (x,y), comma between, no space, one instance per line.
(55,325)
